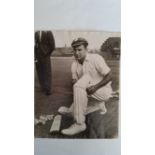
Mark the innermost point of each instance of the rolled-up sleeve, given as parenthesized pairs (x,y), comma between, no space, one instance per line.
(101,65)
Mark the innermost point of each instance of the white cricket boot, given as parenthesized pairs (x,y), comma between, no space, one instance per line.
(74,129)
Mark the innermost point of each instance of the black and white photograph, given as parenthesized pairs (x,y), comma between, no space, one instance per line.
(77,84)
(77,77)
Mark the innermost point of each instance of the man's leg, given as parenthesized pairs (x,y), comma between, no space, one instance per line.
(79,106)
(47,75)
(102,95)
(99,98)
(39,69)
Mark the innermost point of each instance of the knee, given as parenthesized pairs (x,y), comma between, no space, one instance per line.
(78,85)
(83,82)
(79,88)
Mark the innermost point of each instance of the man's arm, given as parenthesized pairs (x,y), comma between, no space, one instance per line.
(36,38)
(51,41)
(107,78)
(48,46)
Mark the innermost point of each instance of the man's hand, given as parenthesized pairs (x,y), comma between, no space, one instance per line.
(90,90)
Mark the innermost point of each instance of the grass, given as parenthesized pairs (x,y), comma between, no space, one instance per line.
(62,96)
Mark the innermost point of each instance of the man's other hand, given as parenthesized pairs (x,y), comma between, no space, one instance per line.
(91,90)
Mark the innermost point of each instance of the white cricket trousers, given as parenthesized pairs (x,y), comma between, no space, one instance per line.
(80,97)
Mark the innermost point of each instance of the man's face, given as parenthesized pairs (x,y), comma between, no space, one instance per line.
(80,52)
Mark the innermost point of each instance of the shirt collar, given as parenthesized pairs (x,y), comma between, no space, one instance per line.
(87,57)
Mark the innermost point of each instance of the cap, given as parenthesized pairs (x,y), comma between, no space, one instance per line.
(79,41)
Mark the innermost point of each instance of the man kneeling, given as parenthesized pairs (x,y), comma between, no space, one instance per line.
(91,78)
